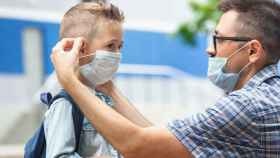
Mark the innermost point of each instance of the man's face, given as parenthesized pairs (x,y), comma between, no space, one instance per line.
(108,37)
(228,26)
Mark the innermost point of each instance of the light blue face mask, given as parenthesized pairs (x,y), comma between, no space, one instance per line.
(218,75)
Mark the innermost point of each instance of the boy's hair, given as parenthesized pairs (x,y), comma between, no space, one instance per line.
(259,19)
(83,19)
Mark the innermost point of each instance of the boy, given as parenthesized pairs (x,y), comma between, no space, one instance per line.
(101,25)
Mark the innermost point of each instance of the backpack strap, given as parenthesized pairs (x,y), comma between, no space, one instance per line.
(77,115)
(46,98)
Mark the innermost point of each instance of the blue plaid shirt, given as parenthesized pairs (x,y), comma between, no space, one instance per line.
(245,123)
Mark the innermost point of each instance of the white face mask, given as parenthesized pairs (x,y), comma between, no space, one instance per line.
(102,68)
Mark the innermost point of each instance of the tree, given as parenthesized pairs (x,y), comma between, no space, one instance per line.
(205,16)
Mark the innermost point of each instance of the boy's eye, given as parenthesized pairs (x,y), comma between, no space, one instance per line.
(114,47)
(111,46)
(121,46)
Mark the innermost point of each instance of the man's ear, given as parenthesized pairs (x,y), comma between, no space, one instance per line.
(255,51)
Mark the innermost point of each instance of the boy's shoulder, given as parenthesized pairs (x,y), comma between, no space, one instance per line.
(58,106)
(61,102)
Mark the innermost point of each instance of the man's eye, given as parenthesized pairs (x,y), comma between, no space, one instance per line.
(220,40)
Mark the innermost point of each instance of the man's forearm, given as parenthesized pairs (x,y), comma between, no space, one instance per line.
(125,108)
(119,131)
(131,140)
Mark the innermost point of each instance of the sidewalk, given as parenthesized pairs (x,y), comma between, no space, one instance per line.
(11,151)
(21,125)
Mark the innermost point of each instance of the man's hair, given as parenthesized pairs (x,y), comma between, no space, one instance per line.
(259,19)
(83,19)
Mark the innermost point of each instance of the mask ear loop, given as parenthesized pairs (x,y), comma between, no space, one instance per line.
(246,66)
(236,52)
(93,54)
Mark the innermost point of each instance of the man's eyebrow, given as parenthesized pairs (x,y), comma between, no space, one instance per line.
(218,33)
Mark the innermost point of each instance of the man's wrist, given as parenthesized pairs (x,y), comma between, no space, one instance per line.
(114,93)
(111,89)
(69,82)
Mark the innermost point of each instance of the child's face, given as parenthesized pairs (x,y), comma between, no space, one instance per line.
(109,37)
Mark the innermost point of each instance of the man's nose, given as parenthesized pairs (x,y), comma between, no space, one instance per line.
(211,52)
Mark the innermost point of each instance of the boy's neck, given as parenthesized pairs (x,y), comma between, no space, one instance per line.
(85,81)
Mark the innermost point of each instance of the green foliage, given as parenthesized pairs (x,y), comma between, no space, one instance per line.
(204,14)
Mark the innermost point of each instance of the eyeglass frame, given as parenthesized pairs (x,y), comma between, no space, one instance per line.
(237,39)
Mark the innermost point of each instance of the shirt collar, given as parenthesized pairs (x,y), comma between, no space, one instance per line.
(266,73)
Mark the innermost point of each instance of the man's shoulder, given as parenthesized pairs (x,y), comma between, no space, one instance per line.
(257,97)
(239,96)
(269,88)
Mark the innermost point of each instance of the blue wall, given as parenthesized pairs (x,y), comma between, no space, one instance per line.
(140,47)
(11,44)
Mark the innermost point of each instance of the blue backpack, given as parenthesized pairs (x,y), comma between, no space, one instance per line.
(36,146)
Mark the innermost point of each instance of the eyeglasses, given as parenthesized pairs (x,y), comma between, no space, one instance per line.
(237,39)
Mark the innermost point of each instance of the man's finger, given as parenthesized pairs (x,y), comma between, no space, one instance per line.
(78,44)
(64,45)
(57,47)
(67,43)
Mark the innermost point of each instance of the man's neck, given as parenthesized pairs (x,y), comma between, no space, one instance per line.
(246,76)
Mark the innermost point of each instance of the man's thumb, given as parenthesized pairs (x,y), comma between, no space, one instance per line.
(78,43)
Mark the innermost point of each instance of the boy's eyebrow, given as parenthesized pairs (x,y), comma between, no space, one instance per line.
(113,40)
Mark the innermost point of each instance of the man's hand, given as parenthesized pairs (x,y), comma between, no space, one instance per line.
(65,58)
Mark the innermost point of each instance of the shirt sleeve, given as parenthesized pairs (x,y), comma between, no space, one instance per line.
(223,130)
(59,131)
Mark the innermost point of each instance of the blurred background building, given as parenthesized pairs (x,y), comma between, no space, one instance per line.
(160,74)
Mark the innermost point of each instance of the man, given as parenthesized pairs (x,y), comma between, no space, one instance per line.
(244,123)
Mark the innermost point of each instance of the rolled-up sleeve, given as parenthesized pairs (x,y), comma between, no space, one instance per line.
(223,130)
(59,131)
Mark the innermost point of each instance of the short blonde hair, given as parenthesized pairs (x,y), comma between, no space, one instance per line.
(82,20)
